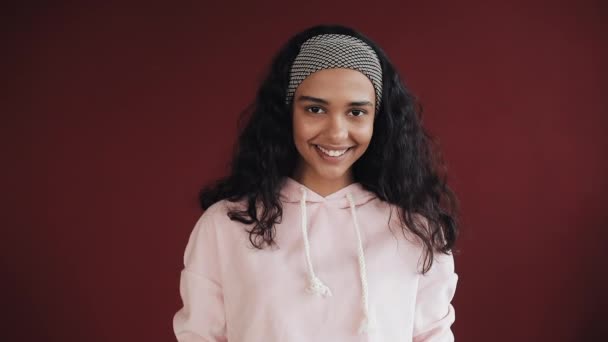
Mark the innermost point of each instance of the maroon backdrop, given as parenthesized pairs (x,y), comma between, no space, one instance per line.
(115,116)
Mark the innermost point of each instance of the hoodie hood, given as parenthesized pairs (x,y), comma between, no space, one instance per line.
(291,192)
(348,197)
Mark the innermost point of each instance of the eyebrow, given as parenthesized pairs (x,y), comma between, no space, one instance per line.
(302,98)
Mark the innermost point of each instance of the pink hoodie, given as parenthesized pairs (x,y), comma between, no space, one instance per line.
(338,274)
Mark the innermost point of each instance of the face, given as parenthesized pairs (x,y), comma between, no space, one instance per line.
(333,120)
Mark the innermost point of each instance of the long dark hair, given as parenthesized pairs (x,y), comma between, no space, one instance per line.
(402,164)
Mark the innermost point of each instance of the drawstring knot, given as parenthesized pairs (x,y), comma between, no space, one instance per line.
(316,286)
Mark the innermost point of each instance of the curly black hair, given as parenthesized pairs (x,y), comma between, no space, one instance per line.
(402,164)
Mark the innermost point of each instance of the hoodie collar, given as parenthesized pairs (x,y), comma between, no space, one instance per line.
(291,193)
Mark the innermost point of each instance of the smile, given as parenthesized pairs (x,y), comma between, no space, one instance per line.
(332,153)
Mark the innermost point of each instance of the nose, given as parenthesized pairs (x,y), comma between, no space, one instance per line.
(336,129)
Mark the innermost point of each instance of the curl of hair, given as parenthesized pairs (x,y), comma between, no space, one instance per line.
(402,164)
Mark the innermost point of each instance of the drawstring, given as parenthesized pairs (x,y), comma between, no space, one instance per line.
(368,322)
(316,286)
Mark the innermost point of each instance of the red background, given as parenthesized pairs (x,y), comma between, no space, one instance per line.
(114,117)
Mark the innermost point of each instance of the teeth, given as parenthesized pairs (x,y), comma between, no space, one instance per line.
(332,153)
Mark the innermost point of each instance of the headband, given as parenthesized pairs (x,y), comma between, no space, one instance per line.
(329,51)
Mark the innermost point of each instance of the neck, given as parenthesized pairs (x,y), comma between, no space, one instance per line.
(320,185)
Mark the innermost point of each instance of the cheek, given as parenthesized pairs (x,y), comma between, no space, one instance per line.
(304,129)
(363,134)
(301,131)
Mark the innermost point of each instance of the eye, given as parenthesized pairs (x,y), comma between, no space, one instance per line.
(314,109)
(358,112)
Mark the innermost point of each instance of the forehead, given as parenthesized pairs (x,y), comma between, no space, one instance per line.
(337,82)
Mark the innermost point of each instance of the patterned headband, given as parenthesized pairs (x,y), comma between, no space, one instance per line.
(329,51)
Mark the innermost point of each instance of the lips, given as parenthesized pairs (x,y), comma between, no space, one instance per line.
(333,152)
(333,155)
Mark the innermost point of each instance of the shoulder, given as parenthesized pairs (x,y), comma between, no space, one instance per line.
(218,213)
(214,226)
(397,219)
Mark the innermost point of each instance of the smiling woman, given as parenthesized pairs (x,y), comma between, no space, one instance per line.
(335,184)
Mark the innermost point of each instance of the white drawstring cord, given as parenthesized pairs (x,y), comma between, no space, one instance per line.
(315,285)
(368,322)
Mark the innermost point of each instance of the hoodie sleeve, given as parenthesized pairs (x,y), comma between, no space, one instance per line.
(202,318)
(434,312)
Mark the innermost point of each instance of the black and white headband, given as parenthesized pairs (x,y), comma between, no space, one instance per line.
(330,51)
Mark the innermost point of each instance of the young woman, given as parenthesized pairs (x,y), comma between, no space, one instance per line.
(335,223)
